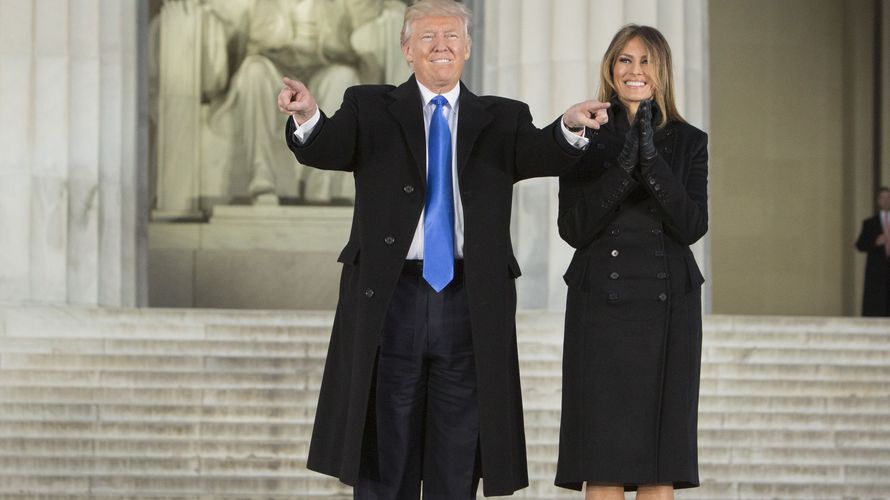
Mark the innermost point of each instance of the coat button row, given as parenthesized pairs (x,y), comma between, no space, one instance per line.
(389,240)
(369,293)
(662,296)
(408,189)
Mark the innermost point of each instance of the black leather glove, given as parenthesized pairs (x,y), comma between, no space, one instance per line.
(647,134)
(630,154)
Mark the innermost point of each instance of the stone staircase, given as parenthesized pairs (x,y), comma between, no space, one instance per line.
(193,404)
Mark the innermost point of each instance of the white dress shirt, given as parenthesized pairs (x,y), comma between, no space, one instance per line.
(451,113)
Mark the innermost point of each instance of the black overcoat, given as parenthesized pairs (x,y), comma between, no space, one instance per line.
(632,352)
(877,269)
(378,134)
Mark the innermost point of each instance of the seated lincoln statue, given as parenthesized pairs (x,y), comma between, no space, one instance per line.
(245,47)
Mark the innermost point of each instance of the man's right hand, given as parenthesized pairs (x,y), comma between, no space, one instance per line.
(590,114)
(296,100)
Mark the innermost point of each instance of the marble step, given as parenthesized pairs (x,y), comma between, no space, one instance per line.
(709,491)
(152,446)
(124,335)
(761,363)
(155,430)
(539,395)
(778,454)
(101,421)
(274,440)
(758,438)
(736,483)
(288,409)
(539,454)
(314,367)
(147,495)
(757,490)
(716,381)
(742,410)
(121,338)
(176,484)
(160,395)
(249,455)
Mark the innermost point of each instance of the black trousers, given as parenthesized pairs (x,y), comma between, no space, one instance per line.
(425,421)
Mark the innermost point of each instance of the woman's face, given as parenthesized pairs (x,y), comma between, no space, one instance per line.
(631,73)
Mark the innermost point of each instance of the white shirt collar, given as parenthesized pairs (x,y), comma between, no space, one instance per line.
(451,96)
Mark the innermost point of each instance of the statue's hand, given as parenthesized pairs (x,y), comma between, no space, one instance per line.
(296,100)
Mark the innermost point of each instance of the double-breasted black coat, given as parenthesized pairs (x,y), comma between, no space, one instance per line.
(632,352)
(875,301)
(378,134)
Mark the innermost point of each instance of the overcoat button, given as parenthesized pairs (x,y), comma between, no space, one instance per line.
(662,296)
(661,276)
(613,296)
(614,276)
(656,231)
(614,253)
(657,187)
(389,240)
(408,189)
(652,180)
(369,293)
(615,232)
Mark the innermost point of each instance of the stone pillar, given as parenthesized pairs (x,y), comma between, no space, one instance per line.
(72,229)
(548,54)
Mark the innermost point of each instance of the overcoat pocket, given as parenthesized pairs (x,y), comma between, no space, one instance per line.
(349,254)
(513,265)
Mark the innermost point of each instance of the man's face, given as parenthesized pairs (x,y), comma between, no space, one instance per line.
(437,50)
(884,200)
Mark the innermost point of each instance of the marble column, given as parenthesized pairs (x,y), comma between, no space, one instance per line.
(72,172)
(548,55)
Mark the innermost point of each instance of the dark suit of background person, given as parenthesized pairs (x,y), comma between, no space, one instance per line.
(378,135)
(876,296)
(633,315)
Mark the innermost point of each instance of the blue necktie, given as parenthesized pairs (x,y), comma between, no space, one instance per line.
(438,221)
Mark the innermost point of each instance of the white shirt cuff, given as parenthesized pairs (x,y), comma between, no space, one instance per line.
(303,131)
(577,141)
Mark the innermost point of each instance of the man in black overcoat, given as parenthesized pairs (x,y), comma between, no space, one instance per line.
(421,381)
(874,239)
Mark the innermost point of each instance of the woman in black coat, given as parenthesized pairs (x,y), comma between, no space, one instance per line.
(632,352)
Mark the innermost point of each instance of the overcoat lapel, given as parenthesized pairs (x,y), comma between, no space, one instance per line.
(407,109)
(473,118)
